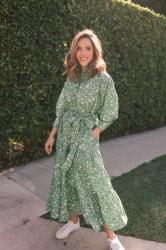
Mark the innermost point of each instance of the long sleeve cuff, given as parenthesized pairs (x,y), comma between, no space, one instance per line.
(56,123)
(103,125)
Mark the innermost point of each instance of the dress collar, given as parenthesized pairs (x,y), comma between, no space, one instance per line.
(85,73)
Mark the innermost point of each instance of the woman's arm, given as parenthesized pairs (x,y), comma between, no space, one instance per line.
(108,104)
(60,108)
(53,132)
(50,141)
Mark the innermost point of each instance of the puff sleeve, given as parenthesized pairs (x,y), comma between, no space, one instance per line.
(60,108)
(108,102)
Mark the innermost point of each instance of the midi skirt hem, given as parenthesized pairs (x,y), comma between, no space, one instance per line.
(85,221)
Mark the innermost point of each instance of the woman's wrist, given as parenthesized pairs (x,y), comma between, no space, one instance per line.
(53,132)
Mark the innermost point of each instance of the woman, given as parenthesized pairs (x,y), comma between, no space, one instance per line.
(87,105)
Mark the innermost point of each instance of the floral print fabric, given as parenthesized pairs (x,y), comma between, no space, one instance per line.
(80,183)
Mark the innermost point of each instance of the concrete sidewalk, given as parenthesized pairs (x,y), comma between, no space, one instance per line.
(24,191)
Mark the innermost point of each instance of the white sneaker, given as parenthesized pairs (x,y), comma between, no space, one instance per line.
(69,227)
(115,244)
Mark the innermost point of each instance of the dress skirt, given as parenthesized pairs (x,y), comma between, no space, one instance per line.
(80,183)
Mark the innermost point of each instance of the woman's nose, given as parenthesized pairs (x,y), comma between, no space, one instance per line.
(83,52)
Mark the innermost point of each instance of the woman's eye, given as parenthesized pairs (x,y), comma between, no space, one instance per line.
(88,48)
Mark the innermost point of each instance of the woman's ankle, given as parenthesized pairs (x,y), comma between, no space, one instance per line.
(110,233)
(110,236)
(74,218)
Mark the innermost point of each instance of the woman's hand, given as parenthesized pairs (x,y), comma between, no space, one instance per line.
(96,132)
(49,144)
(50,141)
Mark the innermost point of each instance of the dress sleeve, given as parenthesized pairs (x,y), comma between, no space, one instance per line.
(60,108)
(108,103)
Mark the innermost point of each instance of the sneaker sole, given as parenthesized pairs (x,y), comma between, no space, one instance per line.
(64,237)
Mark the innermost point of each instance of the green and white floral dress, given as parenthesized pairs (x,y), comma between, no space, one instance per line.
(80,183)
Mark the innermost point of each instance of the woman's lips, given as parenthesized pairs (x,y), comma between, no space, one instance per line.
(83,59)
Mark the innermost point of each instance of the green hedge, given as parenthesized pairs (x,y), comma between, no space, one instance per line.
(158,6)
(35,38)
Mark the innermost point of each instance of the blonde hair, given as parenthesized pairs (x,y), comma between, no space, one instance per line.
(72,66)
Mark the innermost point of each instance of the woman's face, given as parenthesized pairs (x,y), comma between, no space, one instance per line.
(85,52)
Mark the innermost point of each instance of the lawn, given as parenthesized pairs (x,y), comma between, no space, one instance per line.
(143,193)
